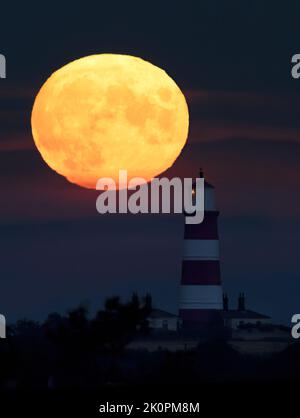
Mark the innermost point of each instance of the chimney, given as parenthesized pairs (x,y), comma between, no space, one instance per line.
(241,302)
(225,302)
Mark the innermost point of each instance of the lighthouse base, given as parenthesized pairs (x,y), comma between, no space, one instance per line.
(205,321)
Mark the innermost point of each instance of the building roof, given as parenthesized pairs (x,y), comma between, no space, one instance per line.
(246,314)
(208,185)
(158,313)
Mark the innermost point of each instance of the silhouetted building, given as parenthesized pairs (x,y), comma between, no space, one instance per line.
(204,311)
(236,318)
(163,320)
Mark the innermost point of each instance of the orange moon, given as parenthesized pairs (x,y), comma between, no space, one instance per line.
(104,113)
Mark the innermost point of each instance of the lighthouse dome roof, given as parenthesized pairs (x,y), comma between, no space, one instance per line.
(207,185)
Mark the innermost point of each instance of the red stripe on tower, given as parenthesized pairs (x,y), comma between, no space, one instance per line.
(201,290)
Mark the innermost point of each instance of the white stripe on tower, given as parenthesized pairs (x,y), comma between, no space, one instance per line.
(201,289)
(197,249)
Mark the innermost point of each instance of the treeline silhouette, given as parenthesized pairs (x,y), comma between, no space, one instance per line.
(75,351)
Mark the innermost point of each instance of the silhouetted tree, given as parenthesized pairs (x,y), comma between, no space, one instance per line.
(112,304)
(135,301)
(148,304)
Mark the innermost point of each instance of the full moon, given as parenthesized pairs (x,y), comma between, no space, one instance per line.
(104,113)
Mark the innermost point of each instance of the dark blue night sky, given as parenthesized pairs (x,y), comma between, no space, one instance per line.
(232,60)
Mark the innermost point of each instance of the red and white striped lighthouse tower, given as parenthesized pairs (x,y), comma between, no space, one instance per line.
(201,297)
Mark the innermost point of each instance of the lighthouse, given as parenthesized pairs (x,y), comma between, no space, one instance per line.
(201,296)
